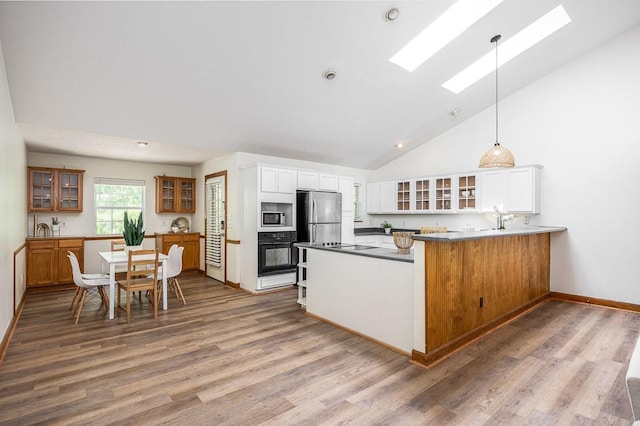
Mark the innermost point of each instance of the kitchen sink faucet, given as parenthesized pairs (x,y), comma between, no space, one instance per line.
(499,221)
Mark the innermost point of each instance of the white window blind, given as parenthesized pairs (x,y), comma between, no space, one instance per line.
(215,216)
(357,203)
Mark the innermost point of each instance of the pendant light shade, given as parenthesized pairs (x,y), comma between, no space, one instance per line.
(497,155)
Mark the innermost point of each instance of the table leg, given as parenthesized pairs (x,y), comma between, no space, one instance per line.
(112,290)
(164,285)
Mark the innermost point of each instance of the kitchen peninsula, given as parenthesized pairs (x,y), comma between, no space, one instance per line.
(453,288)
(365,289)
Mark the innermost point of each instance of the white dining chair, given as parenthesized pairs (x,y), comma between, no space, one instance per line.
(174,268)
(84,277)
(84,286)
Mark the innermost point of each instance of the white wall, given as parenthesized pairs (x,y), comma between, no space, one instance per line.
(84,223)
(13,161)
(581,123)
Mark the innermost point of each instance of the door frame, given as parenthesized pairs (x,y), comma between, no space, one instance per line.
(222,173)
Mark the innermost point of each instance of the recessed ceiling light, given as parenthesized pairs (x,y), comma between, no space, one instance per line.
(454,112)
(509,49)
(329,74)
(440,32)
(143,143)
(399,145)
(391,14)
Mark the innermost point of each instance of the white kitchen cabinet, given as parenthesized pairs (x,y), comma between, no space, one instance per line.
(404,201)
(373,198)
(369,240)
(381,197)
(444,194)
(347,228)
(422,192)
(466,193)
(302,277)
(308,180)
(514,190)
(491,190)
(328,182)
(277,180)
(345,187)
(523,190)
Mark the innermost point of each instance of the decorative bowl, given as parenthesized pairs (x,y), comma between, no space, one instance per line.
(403,241)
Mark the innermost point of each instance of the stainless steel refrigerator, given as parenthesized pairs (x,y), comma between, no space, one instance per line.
(319,217)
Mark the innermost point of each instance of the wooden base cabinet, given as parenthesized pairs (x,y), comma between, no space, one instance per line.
(191,243)
(472,286)
(47,262)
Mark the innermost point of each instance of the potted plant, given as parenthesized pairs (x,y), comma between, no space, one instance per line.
(133,233)
(175,225)
(387,227)
(55,224)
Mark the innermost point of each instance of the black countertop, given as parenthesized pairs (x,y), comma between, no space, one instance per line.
(362,250)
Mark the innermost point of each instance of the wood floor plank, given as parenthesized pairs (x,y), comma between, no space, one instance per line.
(231,358)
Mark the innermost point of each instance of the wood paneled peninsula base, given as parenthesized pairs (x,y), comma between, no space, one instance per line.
(466,284)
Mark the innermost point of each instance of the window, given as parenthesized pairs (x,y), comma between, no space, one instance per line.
(357,203)
(113,197)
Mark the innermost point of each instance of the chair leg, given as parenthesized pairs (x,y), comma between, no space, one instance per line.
(128,307)
(81,304)
(178,290)
(105,297)
(118,303)
(75,299)
(155,303)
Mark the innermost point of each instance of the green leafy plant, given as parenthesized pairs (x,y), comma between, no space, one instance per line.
(385,224)
(133,233)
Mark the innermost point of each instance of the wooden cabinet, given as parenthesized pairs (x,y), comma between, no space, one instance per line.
(47,262)
(175,194)
(54,190)
(191,243)
(472,286)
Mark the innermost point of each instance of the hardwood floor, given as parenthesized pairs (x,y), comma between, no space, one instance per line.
(231,358)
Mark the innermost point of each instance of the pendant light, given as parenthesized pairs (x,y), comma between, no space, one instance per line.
(497,156)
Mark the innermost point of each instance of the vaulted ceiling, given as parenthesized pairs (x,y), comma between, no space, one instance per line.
(201,79)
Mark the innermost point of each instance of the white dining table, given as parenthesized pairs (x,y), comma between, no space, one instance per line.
(120,258)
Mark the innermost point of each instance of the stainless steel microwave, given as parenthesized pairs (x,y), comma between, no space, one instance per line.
(273,218)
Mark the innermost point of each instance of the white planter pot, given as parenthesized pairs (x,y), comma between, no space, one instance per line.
(134,248)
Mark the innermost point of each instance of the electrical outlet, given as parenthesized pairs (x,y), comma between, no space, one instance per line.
(63,224)
(526,220)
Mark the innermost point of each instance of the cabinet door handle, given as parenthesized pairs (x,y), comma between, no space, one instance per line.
(481,302)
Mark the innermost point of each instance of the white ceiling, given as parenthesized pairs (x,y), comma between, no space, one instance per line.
(202,79)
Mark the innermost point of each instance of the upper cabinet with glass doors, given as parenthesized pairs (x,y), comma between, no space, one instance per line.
(55,189)
(175,194)
(466,192)
(444,193)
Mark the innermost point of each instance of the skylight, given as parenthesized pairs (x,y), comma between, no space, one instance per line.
(445,28)
(509,49)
